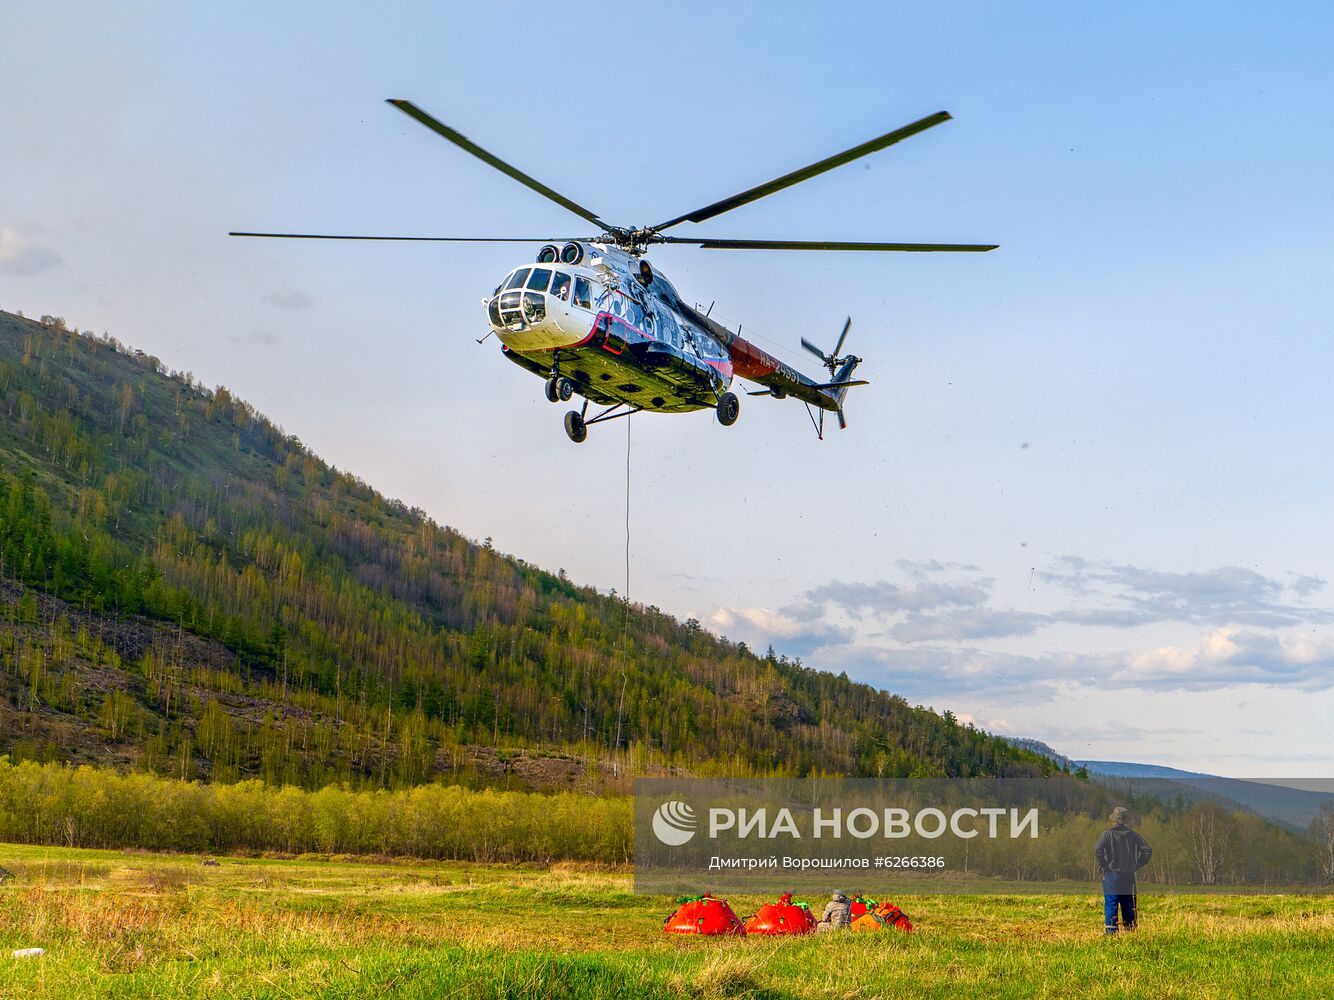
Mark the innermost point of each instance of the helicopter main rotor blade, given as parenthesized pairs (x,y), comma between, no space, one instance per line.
(400,239)
(842,337)
(463,142)
(806,173)
(722,244)
(824,359)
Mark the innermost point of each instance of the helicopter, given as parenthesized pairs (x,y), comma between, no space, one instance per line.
(592,317)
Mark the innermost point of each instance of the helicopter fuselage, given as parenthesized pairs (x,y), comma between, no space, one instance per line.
(618,330)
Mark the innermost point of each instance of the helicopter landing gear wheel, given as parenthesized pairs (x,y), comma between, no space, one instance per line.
(553,389)
(564,389)
(729,408)
(575,427)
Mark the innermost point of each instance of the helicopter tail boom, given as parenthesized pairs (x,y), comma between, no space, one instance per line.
(781,381)
(823,395)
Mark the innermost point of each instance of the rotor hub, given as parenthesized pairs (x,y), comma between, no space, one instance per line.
(633,241)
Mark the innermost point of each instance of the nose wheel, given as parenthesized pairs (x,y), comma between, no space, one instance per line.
(559,389)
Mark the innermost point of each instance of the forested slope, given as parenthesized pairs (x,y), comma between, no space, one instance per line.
(187,589)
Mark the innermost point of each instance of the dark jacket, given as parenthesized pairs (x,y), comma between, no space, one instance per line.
(1120,853)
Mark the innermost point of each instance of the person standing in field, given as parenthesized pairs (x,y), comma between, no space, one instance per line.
(1120,853)
(837,914)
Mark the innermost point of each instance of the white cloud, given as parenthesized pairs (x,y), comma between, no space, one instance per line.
(968,623)
(1304,586)
(20,255)
(937,633)
(1229,656)
(884,597)
(930,672)
(930,567)
(288,297)
(760,627)
(1127,596)
(263,338)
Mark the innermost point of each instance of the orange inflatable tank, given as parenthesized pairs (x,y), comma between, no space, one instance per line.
(704,915)
(782,917)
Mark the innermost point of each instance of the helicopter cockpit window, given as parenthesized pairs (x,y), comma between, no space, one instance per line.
(583,293)
(518,278)
(534,307)
(560,286)
(541,276)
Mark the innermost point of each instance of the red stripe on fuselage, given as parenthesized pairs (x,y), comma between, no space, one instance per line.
(749,361)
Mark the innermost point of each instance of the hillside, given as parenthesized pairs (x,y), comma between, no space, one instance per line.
(188,590)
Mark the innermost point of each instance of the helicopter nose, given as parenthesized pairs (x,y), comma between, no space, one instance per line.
(514,309)
(525,320)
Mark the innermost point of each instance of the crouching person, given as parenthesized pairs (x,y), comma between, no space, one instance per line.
(837,914)
(1120,853)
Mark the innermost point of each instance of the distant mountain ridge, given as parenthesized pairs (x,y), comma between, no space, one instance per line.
(1126,769)
(1042,750)
(192,591)
(1292,807)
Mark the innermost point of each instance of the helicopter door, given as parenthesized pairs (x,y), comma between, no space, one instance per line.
(613,338)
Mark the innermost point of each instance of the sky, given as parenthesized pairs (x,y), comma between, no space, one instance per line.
(1085,498)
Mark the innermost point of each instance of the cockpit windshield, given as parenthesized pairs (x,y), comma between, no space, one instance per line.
(518,299)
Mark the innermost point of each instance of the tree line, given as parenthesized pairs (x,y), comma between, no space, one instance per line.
(1193,843)
(100,807)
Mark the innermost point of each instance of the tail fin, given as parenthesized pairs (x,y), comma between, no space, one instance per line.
(843,378)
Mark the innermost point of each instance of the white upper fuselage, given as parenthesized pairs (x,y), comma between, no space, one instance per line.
(549,305)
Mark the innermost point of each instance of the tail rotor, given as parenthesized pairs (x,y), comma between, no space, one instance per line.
(831,361)
(840,370)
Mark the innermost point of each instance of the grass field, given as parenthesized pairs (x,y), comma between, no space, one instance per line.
(149,925)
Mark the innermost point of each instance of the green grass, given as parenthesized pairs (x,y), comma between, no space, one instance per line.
(149,925)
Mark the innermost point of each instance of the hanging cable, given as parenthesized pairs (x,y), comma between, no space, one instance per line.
(625,617)
(627,528)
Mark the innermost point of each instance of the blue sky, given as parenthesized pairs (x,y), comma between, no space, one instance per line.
(1086,498)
